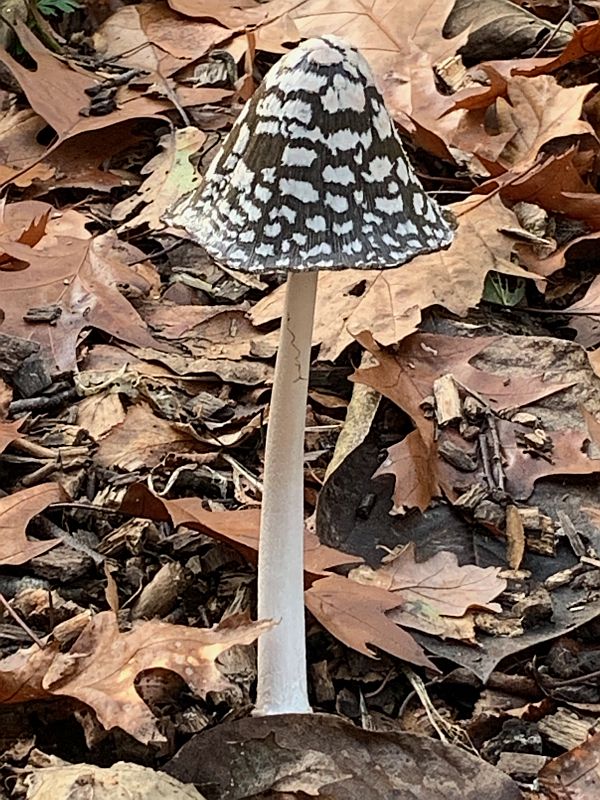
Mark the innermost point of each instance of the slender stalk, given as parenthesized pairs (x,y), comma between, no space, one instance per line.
(282,684)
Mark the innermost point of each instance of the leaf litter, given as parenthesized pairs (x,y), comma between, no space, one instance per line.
(459,525)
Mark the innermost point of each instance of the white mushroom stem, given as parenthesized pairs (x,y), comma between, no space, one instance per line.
(282,684)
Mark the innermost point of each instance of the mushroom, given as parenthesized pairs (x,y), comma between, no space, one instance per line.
(312,176)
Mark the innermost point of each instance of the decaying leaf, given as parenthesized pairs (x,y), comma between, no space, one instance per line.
(171,175)
(407,378)
(101,666)
(356,614)
(77,275)
(143,438)
(119,781)
(318,755)
(502,29)
(239,528)
(438,583)
(9,431)
(574,775)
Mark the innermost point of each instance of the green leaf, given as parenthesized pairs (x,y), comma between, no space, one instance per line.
(52,8)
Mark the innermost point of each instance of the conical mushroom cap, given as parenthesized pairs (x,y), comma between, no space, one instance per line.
(313,175)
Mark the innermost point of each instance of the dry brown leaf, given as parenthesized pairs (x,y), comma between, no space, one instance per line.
(54,77)
(438,585)
(357,616)
(569,456)
(556,185)
(23,222)
(586,320)
(574,775)
(170,176)
(388,303)
(121,780)
(501,29)
(209,332)
(406,377)
(22,672)
(536,111)
(100,413)
(151,36)
(16,512)
(380,30)
(229,13)
(585,42)
(79,276)
(239,528)
(9,431)
(143,440)
(101,667)
(75,162)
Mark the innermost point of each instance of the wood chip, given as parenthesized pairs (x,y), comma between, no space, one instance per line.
(448,406)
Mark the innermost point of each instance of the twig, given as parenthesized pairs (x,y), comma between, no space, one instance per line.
(21,623)
(496,451)
(556,30)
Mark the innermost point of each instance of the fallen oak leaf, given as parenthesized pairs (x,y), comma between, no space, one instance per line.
(144,439)
(55,78)
(23,222)
(79,275)
(101,667)
(238,528)
(16,512)
(568,456)
(535,111)
(170,175)
(121,780)
(439,581)
(406,377)
(357,615)
(9,431)
(22,673)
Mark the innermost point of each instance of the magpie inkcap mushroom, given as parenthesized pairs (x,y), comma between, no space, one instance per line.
(312,176)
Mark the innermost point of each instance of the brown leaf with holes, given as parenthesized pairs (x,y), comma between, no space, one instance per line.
(357,615)
(574,775)
(78,276)
(388,303)
(16,512)
(102,665)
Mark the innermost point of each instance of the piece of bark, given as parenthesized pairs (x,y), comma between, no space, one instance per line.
(447,400)
(22,365)
(159,597)
(457,457)
(515,537)
(567,729)
(521,766)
